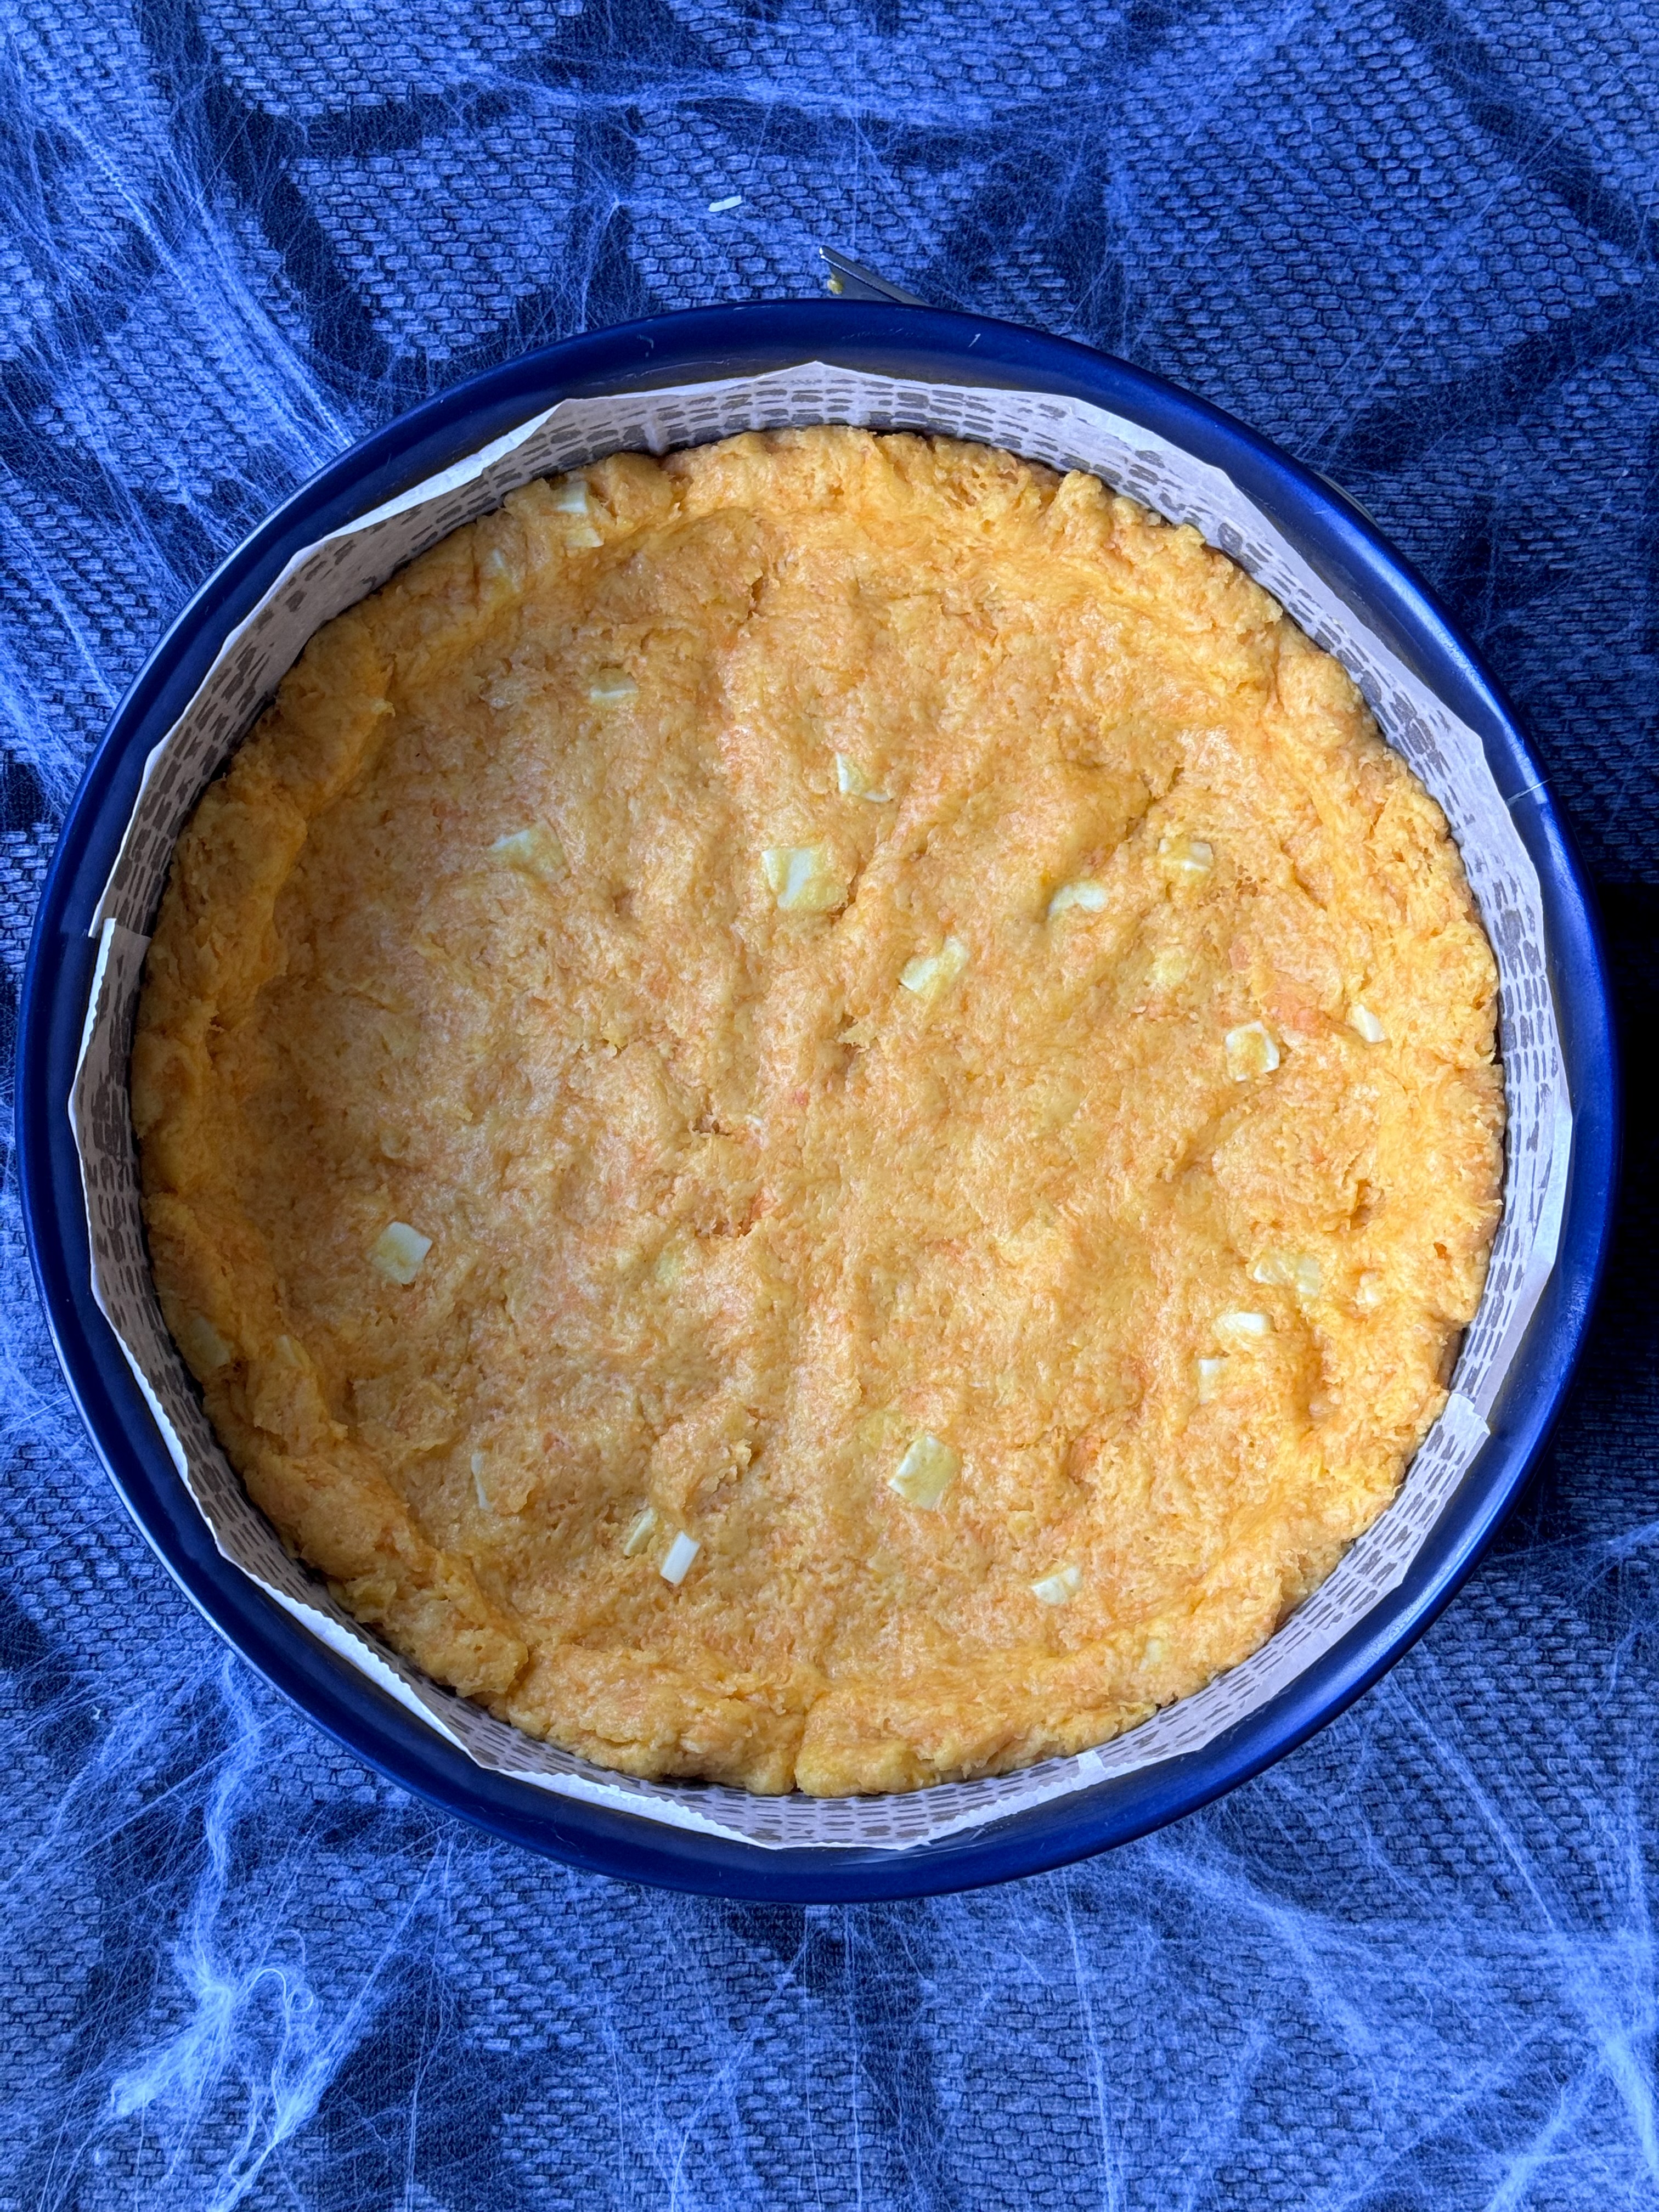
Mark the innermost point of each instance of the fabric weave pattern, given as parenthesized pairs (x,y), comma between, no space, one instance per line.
(1415,1965)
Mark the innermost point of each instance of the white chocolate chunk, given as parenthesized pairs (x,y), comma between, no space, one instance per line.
(611,687)
(1210,1375)
(1168,968)
(1185,860)
(398,1251)
(570,498)
(1365,1022)
(639,1532)
(1250,1051)
(1368,1290)
(854,782)
(1243,1327)
(1056,1589)
(203,1345)
(1085,894)
(477,1481)
(1295,1271)
(926,1472)
(1055,1102)
(677,1561)
(931,972)
(802,879)
(534,852)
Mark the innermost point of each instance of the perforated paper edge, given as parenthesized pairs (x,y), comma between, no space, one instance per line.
(324,579)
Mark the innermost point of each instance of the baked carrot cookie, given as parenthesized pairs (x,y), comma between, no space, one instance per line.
(820,1114)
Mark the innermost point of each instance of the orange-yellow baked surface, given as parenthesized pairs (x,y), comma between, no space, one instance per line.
(847,1019)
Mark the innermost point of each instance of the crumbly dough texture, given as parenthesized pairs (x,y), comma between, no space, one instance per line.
(650,898)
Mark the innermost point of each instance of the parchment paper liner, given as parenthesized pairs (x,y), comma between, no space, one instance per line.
(1066,433)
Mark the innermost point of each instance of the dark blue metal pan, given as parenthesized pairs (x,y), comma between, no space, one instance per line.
(1336,537)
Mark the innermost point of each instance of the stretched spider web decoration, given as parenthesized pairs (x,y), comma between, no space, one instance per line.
(1413,1966)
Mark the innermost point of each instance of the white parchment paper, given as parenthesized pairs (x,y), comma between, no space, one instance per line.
(1068,434)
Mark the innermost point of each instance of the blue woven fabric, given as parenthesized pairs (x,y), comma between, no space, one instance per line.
(1413,1967)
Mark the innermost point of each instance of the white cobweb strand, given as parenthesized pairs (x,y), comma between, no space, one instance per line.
(1481,2012)
(321,582)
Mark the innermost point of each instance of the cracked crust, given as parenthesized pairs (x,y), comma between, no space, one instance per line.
(722,1214)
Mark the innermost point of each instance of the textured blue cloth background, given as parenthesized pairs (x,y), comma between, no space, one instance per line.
(1412,1966)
